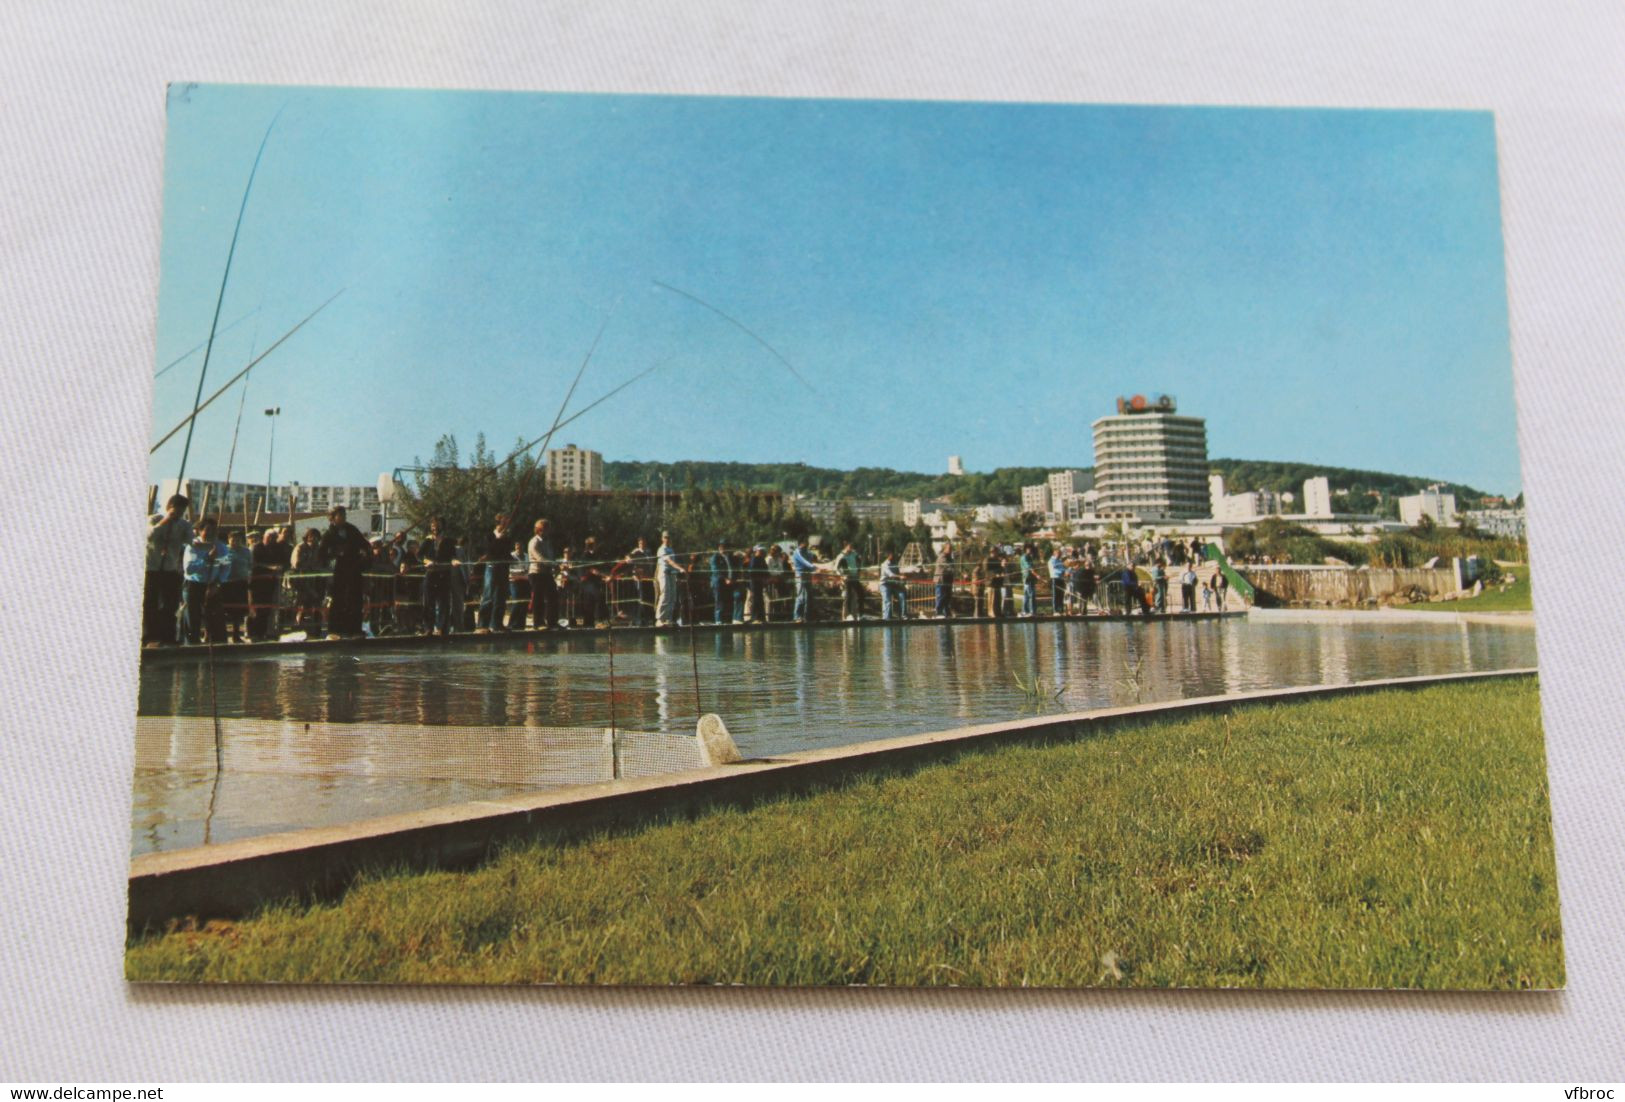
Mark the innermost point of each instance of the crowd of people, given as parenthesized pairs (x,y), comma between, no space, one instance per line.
(1080,578)
(239,586)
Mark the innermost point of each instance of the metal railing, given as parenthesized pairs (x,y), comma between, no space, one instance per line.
(621,594)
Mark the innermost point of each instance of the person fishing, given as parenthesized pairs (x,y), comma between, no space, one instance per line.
(206,568)
(802,562)
(1057,581)
(944,577)
(721,570)
(544,590)
(168,536)
(892,606)
(347,550)
(305,566)
(778,570)
(593,583)
(497,558)
(234,600)
(757,579)
(849,565)
(667,568)
(1029,580)
(638,560)
(439,559)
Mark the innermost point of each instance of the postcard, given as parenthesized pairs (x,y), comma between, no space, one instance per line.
(615,539)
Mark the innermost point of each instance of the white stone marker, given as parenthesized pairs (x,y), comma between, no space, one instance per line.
(716,744)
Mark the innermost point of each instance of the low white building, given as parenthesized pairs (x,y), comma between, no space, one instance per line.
(825,510)
(941,526)
(1036,499)
(1503,523)
(913,510)
(1075,507)
(991,514)
(1231,508)
(573,468)
(1432,502)
(252,497)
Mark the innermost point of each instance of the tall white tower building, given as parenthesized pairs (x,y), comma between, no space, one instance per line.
(1150,462)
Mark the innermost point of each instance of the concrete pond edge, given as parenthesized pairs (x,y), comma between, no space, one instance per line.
(232,879)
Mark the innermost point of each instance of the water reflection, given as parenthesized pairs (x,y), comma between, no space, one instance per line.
(778,691)
(784,690)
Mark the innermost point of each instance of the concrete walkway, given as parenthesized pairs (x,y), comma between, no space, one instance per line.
(1389,615)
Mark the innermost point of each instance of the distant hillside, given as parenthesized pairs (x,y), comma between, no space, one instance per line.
(999,486)
(1266,474)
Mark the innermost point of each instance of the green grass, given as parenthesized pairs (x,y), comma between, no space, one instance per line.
(1392,839)
(1514,598)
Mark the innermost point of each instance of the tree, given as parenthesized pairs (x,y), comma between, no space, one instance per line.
(845,526)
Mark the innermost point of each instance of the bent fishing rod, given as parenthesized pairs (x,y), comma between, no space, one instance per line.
(191,418)
(524,483)
(220,298)
(481,475)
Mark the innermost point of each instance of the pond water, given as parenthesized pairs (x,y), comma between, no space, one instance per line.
(778,691)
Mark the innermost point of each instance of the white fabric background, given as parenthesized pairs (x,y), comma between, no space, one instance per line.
(81,142)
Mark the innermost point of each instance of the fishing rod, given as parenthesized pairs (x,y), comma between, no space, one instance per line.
(582,412)
(741,326)
(184,356)
(524,483)
(489,472)
(231,457)
(220,298)
(191,418)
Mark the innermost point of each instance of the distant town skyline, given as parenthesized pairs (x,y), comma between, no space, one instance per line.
(1323,287)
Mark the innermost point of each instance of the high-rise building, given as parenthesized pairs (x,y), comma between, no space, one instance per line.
(955,466)
(1036,498)
(573,468)
(1150,462)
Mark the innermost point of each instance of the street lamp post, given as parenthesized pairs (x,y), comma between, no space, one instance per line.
(270,455)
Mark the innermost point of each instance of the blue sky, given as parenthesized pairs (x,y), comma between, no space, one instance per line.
(980,279)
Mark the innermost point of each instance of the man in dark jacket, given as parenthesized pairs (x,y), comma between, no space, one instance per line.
(439,560)
(945,581)
(347,549)
(722,576)
(498,558)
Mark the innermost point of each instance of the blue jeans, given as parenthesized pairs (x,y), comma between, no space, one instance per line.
(891,597)
(1029,597)
(945,592)
(722,602)
(494,599)
(1057,595)
(803,610)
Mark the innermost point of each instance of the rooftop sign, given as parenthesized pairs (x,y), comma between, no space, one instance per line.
(1139,403)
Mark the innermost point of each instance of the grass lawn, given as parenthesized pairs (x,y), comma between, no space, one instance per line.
(1515,598)
(1393,839)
